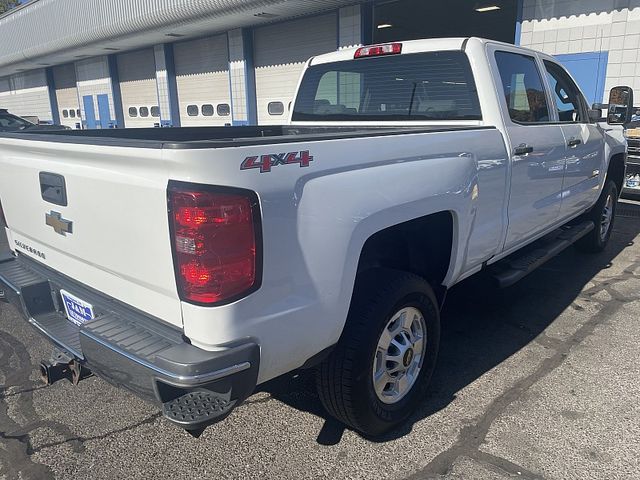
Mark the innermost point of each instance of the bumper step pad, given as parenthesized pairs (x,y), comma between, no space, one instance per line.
(195,410)
(132,349)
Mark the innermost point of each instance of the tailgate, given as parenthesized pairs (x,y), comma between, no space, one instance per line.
(117,234)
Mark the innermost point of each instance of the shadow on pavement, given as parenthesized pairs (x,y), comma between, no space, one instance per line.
(482,327)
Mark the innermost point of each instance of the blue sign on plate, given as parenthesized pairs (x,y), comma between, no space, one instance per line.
(78,311)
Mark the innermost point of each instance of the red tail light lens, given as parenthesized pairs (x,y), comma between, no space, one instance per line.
(215,242)
(379,50)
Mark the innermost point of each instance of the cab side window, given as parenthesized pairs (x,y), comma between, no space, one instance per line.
(523,88)
(566,94)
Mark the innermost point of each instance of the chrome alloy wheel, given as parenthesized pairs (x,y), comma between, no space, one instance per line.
(399,355)
(606,218)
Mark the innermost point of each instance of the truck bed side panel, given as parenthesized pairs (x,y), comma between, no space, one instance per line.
(316,220)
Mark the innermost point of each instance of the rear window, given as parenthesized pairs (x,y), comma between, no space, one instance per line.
(419,86)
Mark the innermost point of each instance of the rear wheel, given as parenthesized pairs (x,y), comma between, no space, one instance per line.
(602,215)
(381,367)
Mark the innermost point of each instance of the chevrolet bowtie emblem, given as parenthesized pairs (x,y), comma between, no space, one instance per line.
(59,224)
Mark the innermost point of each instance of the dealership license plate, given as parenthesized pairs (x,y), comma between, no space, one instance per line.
(78,311)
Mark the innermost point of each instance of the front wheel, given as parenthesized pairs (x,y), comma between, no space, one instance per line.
(383,362)
(602,215)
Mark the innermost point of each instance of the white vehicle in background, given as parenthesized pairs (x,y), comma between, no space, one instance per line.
(192,264)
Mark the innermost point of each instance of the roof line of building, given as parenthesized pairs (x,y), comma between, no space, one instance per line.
(43,33)
(17,8)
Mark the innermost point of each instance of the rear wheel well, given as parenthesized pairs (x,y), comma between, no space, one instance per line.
(616,171)
(421,246)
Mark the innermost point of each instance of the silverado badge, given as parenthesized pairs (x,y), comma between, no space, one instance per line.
(59,224)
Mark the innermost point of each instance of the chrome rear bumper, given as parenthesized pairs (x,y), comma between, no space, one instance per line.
(131,349)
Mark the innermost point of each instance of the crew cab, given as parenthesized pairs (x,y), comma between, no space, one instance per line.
(190,265)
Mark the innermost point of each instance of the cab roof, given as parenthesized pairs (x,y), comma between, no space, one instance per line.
(411,46)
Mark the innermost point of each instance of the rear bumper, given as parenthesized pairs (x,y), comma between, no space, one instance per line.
(132,350)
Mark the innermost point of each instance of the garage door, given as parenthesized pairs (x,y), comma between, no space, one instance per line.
(64,78)
(202,78)
(281,51)
(27,95)
(137,72)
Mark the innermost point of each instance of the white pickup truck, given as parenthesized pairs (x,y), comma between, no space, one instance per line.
(190,265)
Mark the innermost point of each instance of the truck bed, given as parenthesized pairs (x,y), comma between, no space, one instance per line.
(119,242)
(221,137)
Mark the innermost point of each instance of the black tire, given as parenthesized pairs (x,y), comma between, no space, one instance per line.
(345,379)
(596,241)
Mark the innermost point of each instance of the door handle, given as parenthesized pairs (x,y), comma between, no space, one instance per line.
(523,149)
(574,142)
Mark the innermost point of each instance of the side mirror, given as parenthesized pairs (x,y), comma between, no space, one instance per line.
(620,106)
(595,114)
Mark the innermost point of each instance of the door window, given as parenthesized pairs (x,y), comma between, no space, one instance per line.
(275,108)
(522,87)
(193,110)
(224,110)
(207,110)
(565,93)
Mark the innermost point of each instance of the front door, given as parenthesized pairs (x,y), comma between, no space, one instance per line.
(537,148)
(584,143)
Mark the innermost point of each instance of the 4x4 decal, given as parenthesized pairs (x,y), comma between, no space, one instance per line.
(266,162)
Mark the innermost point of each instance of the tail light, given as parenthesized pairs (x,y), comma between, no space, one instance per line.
(216,235)
(379,50)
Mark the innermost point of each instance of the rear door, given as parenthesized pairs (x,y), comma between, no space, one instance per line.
(537,146)
(584,142)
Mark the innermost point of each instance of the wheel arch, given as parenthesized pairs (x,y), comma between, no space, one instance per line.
(412,246)
(616,170)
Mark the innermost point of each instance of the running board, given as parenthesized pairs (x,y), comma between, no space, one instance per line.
(518,265)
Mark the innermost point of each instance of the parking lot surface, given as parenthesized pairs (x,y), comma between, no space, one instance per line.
(537,381)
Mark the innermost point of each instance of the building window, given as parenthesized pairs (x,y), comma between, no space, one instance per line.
(65,113)
(192,110)
(72,113)
(144,111)
(275,108)
(207,110)
(224,110)
(133,112)
(78,113)
(155,111)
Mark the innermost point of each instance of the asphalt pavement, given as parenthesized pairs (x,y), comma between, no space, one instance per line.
(540,380)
